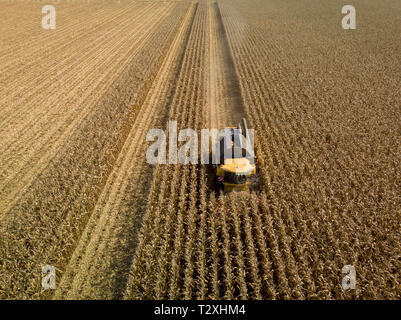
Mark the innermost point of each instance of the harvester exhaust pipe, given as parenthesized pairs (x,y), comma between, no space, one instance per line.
(244,128)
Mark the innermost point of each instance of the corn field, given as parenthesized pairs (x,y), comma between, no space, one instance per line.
(76,190)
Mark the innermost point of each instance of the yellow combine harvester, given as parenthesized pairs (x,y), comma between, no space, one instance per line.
(236,163)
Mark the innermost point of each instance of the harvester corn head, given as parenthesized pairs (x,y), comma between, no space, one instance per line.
(236,159)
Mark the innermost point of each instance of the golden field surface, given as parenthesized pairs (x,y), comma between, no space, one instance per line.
(77,193)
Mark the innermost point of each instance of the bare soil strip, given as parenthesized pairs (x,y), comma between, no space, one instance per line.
(225,104)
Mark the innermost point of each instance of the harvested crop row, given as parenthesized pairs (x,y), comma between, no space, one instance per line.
(54,210)
(71,19)
(101,262)
(35,137)
(56,57)
(22,21)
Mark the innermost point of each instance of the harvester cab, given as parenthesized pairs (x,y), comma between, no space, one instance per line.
(236,160)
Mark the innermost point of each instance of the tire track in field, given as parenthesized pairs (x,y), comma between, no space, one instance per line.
(225,103)
(107,245)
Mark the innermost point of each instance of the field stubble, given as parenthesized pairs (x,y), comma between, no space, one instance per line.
(44,222)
